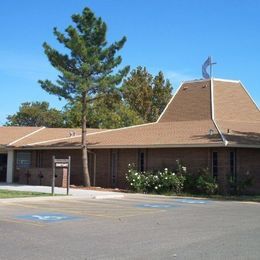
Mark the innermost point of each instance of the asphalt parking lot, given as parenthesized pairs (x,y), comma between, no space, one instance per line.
(136,227)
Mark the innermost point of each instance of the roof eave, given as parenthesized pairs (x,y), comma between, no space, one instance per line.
(120,146)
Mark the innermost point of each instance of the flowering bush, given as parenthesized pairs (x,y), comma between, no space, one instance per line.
(155,182)
(176,181)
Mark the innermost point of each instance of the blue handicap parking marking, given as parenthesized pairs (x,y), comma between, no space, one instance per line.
(157,206)
(192,201)
(47,217)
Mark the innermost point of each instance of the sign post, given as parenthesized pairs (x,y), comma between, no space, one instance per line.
(60,163)
(68,178)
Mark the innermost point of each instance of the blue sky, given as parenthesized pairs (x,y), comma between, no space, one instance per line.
(169,35)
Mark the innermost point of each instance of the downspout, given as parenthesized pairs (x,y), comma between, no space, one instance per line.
(225,141)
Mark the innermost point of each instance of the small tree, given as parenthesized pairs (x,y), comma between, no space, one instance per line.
(86,70)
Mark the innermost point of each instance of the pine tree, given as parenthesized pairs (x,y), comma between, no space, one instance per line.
(137,92)
(162,92)
(87,69)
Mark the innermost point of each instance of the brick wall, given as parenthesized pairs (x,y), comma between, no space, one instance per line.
(193,158)
(103,168)
(125,157)
(223,167)
(248,163)
(43,159)
(42,176)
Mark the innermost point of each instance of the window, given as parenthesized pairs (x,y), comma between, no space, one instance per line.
(232,164)
(215,165)
(114,168)
(38,159)
(141,161)
(23,159)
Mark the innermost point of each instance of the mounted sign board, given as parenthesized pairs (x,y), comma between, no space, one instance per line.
(61,163)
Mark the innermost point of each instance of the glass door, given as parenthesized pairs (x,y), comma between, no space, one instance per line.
(3,167)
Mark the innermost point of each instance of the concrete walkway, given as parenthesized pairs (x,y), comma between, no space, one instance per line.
(93,194)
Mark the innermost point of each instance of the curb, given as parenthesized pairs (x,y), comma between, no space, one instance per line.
(118,196)
(55,198)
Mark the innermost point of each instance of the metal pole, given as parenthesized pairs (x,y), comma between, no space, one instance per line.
(53,175)
(68,178)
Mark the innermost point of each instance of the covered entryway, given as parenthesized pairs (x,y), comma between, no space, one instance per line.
(3,167)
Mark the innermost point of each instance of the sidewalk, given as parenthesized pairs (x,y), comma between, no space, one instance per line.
(79,193)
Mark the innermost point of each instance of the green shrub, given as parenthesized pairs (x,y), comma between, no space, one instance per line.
(239,186)
(201,182)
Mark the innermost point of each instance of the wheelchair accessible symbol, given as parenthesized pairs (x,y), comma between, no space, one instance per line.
(47,217)
(157,206)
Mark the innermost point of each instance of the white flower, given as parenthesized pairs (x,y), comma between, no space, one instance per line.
(166,178)
(136,173)
(173,173)
(184,168)
(156,187)
(166,169)
(129,165)
(138,177)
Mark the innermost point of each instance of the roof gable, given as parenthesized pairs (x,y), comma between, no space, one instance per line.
(233,103)
(191,102)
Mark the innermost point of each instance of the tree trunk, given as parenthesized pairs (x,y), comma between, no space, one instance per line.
(86,177)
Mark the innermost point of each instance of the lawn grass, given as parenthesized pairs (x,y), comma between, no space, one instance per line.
(4,194)
(254,198)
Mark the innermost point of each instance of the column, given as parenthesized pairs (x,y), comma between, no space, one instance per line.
(10,166)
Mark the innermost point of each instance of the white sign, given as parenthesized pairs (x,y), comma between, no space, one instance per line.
(61,165)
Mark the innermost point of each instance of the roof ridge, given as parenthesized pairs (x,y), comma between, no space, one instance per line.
(227,80)
(244,88)
(225,141)
(166,107)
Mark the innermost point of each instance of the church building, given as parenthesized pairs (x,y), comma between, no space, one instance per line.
(210,123)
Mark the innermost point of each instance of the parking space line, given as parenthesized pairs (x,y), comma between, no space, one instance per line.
(65,211)
(110,213)
(22,222)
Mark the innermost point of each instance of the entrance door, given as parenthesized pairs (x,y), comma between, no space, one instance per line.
(3,166)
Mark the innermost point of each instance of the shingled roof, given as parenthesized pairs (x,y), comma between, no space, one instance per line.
(212,112)
(18,136)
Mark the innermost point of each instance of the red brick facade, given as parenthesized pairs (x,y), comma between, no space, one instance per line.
(112,164)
